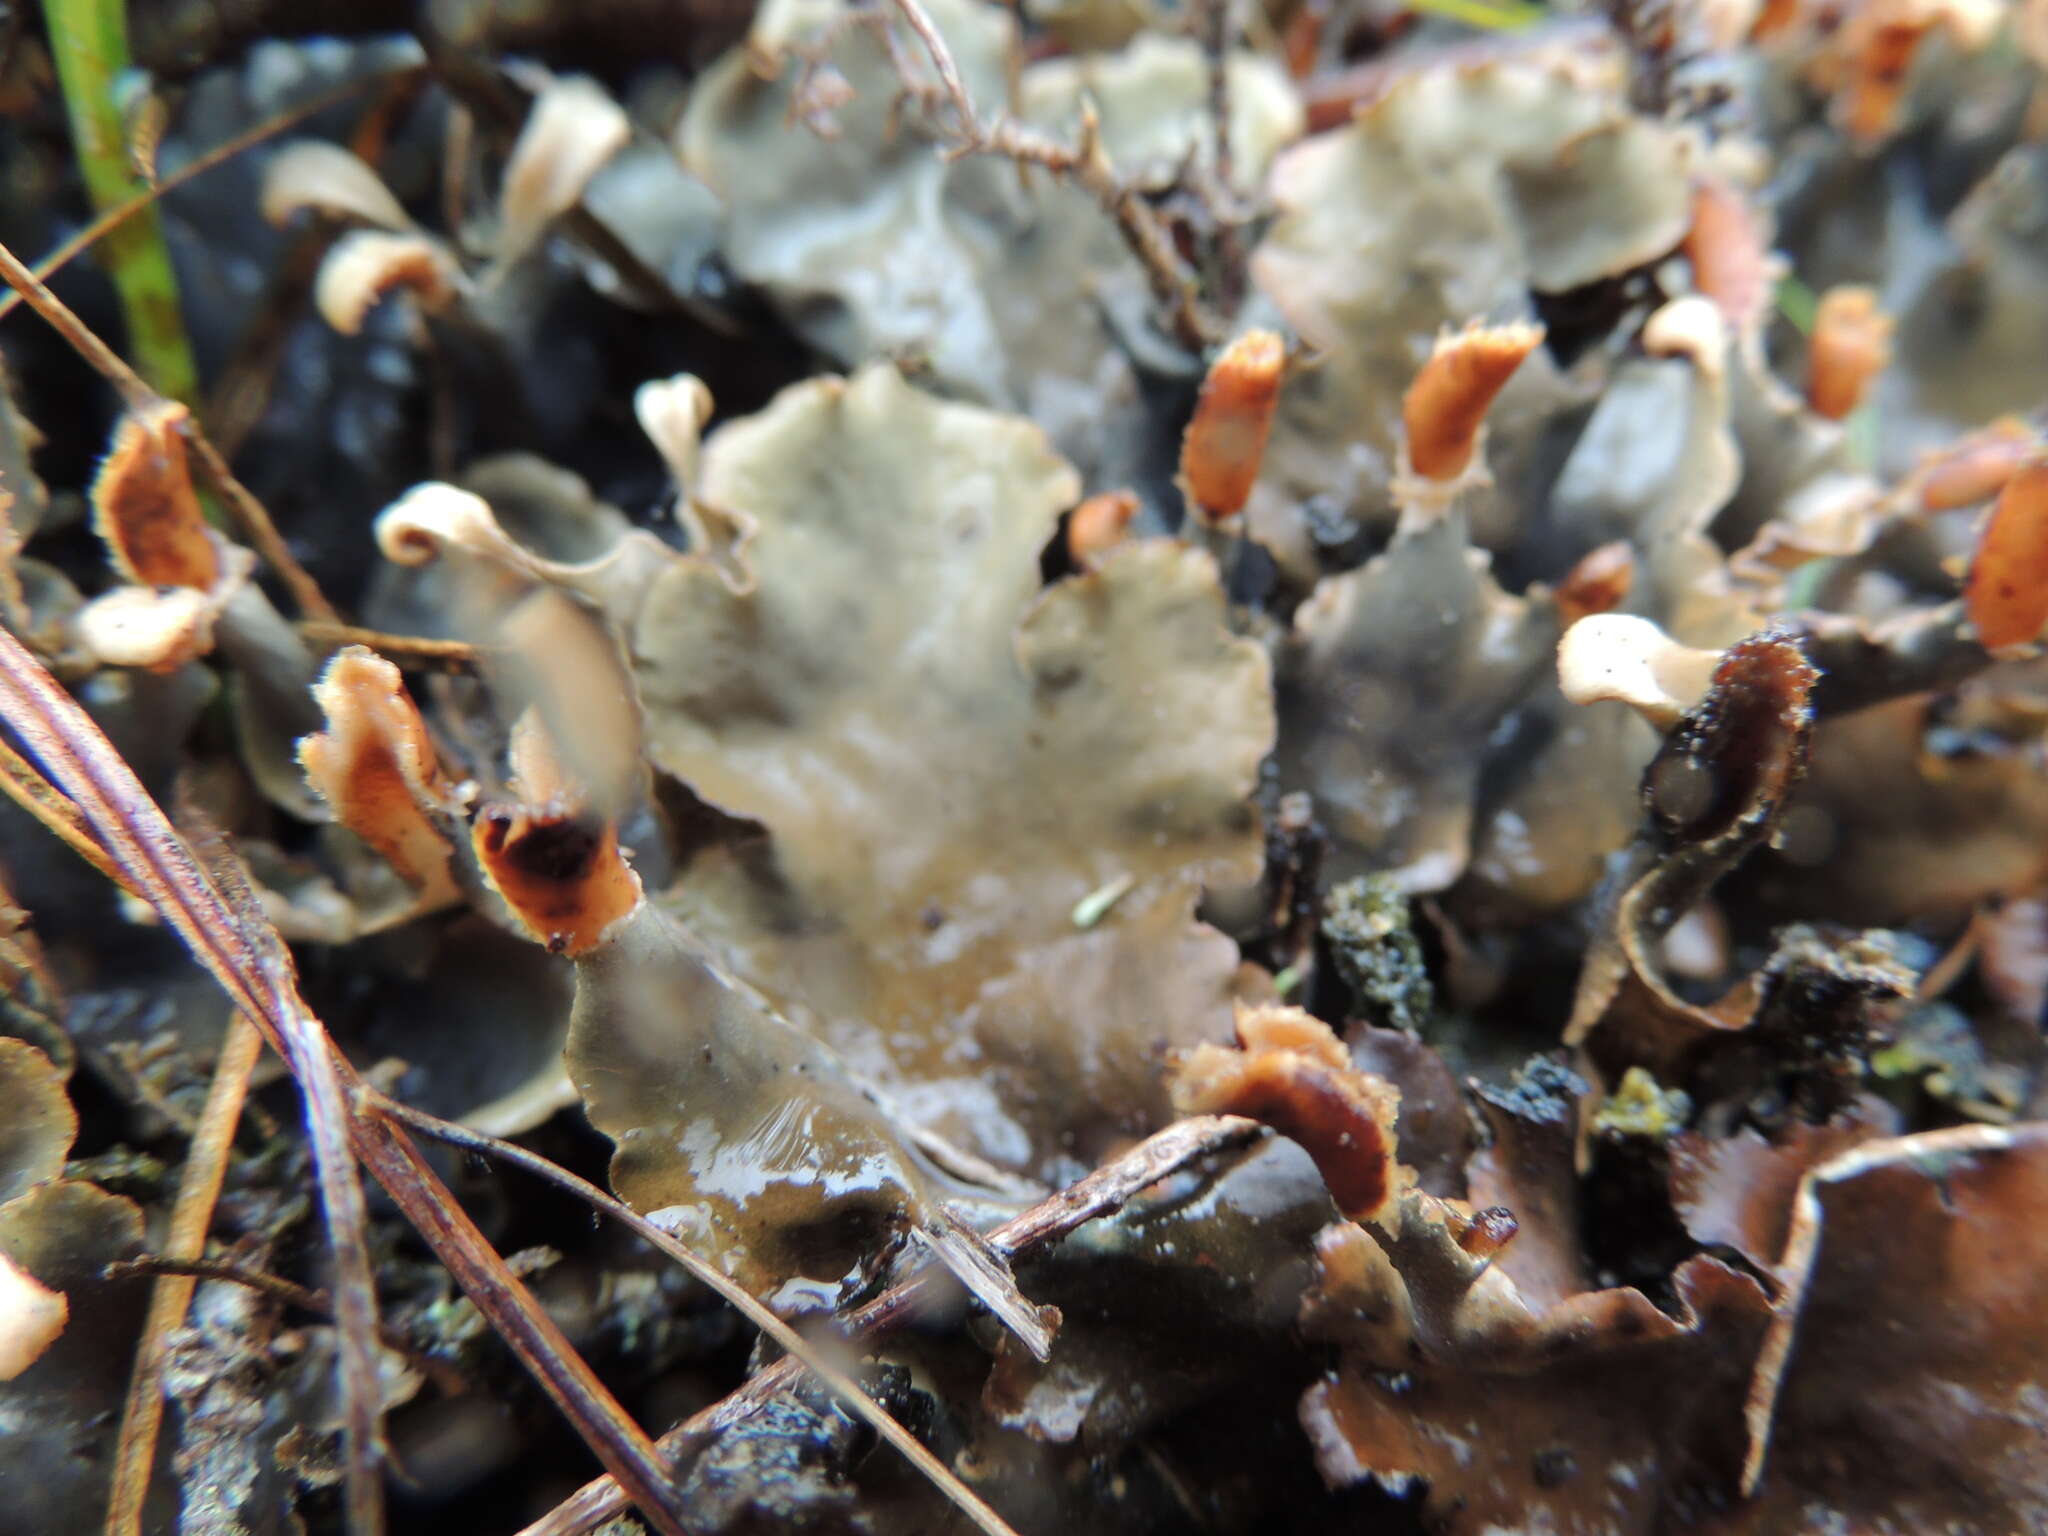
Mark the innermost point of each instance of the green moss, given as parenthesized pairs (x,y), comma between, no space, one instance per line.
(1638,1107)
(122,1170)
(1937,1048)
(1370,928)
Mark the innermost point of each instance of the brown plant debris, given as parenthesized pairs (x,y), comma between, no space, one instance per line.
(1942,1426)
(1648,1392)
(1739,1191)
(1453,1325)
(1289,1070)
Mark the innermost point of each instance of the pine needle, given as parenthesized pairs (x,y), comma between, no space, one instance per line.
(792,1343)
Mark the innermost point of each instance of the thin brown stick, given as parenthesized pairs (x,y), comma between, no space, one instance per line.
(1218,28)
(84,765)
(456,655)
(289,1292)
(138,396)
(245,955)
(257,527)
(850,1391)
(1105,1190)
(1218,24)
(457,145)
(617,1442)
(241,394)
(102,359)
(443,1374)
(221,153)
(33,793)
(1084,163)
(206,1164)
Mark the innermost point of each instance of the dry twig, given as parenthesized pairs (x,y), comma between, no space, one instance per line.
(137,395)
(412,650)
(206,1163)
(34,794)
(950,116)
(1105,1190)
(245,955)
(220,154)
(849,1390)
(83,764)
(444,1375)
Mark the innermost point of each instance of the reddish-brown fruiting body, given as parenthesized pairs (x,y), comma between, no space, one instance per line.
(1225,442)
(2007,592)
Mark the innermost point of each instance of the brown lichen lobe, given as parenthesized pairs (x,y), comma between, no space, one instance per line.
(1717,790)
(375,766)
(1225,441)
(145,507)
(1732,762)
(178,574)
(1291,1071)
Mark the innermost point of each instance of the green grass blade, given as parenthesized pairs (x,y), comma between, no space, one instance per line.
(90,41)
